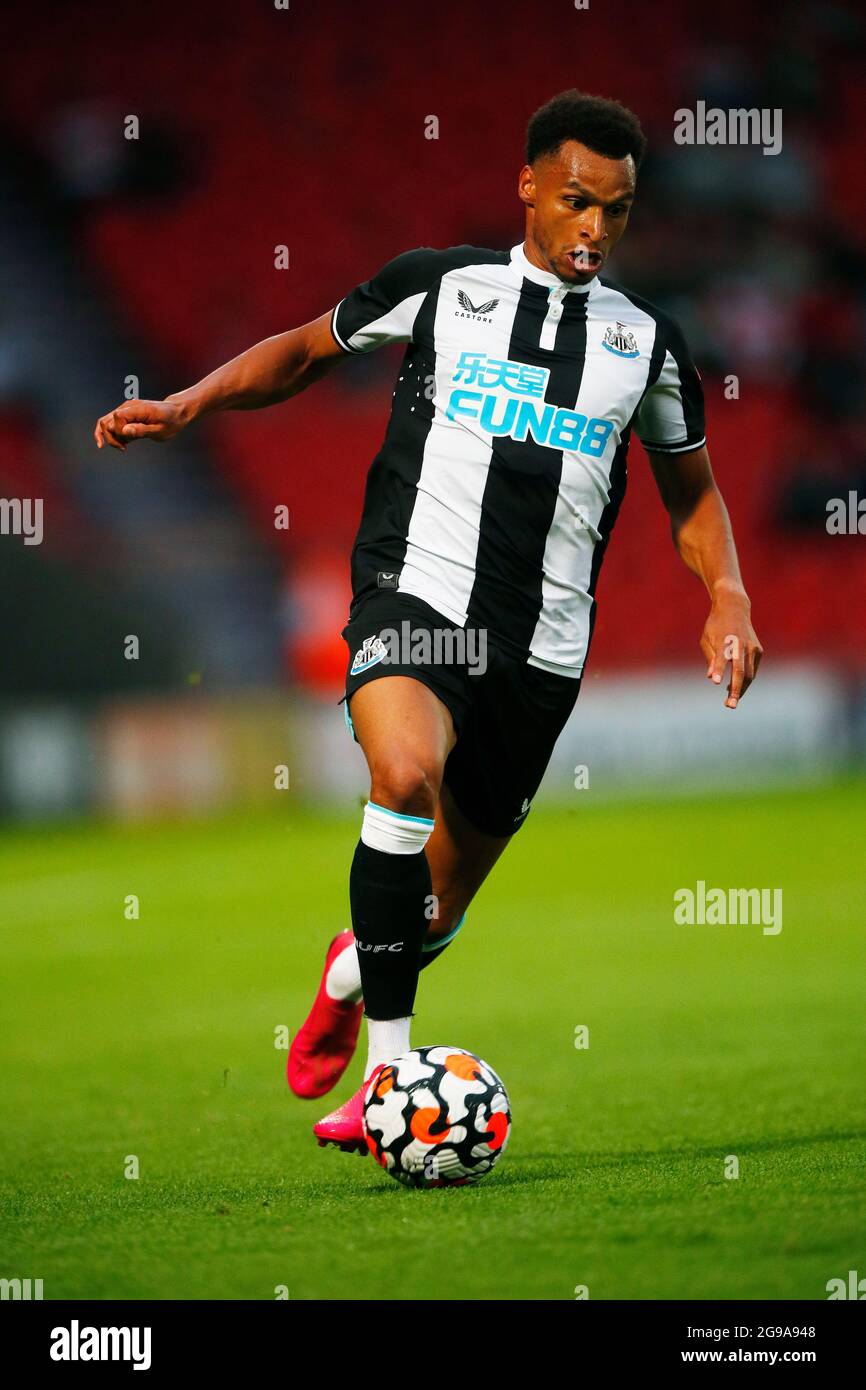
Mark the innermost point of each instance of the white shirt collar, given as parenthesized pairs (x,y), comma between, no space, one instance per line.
(528,271)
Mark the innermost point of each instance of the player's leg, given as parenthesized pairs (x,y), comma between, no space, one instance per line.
(460,858)
(406,733)
(488,783)
(323,1046)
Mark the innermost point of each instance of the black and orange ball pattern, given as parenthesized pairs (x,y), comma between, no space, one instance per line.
(437,1117)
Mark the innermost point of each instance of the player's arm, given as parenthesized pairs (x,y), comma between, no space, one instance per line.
(702,534)
(265,374)
(381,310)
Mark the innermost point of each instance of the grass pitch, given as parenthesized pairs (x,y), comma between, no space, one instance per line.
(155,1038)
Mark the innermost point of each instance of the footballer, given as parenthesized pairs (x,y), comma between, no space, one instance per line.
(487,510)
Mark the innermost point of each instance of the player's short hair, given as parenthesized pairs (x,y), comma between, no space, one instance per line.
(605,126)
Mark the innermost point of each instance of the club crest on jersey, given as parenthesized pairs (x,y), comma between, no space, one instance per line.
(372,651)
(479,312)
(621,341)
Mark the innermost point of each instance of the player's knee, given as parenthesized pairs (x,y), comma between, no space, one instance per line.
(406,785)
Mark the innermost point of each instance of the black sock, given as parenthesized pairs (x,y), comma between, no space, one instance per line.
(389,894)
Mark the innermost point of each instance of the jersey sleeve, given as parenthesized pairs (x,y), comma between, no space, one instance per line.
(670,418)
(383,310)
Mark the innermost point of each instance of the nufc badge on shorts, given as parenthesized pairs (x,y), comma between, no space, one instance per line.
(387,579)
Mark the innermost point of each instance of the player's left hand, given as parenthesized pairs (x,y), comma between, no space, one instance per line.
(728,636)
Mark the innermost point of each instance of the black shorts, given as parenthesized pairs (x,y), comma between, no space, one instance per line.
(507,716)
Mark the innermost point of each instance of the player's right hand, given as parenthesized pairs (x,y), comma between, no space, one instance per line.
(157,420)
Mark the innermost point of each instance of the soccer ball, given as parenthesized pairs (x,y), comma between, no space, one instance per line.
(437,1117)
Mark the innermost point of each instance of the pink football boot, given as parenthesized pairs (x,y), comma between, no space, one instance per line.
(345,1126)
(325,1045)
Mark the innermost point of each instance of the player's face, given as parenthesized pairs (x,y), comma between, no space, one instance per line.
(577,207)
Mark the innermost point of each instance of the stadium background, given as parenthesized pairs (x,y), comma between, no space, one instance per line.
(154,258)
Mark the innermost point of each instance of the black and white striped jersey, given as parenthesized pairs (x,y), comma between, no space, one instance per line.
(503,468)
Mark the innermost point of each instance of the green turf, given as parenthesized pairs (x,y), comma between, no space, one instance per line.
(155,1038)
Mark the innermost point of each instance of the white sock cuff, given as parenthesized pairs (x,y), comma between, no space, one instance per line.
(393,832)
